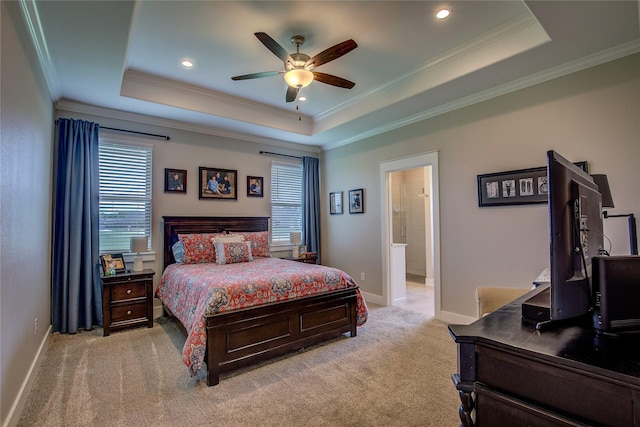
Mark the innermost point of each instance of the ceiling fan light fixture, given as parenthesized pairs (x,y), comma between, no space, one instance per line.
(442,13)
(298,77)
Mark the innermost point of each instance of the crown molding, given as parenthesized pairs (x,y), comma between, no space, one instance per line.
(151,88)
(599,58)
(34,26)
(78,107)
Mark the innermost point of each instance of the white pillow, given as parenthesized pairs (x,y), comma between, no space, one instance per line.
(230,238)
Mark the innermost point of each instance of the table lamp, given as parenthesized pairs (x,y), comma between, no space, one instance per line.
(296,238)
(138,245)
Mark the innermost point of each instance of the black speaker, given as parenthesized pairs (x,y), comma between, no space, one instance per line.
(616,293)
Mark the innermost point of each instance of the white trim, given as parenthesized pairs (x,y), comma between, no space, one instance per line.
(373,298)
(417,161)
(596,59)
(25,389)
(32,20)
(454,318)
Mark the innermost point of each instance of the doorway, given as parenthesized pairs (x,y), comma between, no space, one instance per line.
(411,233)
(410,220)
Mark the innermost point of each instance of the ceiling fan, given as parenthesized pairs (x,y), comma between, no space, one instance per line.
(298,71)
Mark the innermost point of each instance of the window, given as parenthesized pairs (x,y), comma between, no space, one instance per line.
(125,194)
(286,201)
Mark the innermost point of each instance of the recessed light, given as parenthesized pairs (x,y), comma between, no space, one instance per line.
(442,13)
(302,98)
(187,63)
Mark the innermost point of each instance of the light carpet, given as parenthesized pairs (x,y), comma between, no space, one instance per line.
(396,372)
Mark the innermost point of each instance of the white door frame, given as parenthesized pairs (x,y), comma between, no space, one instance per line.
(411,162)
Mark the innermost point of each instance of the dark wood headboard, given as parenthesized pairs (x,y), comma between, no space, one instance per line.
(174,225)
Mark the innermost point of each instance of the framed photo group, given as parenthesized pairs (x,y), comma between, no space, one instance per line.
(516,187)
(214,183)
(355,200)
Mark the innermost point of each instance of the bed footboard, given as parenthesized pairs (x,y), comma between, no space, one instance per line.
(244,337)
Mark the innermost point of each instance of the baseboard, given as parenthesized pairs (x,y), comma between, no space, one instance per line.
(373,298)
(157,311)
(25,390)
(454,318)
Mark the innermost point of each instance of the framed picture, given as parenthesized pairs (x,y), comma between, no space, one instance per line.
(109,261)
(335,203)
(516,187)
(175,180)
(254,186)
(216,183)
(356,201)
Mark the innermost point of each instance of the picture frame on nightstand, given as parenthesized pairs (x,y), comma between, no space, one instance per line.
(115,260)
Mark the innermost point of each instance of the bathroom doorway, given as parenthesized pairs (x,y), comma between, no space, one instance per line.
(411,229)
(410,221)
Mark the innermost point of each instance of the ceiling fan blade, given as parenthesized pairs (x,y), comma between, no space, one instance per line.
(333,80)
(273,46)
(330,54)
(257,75)
(292,93)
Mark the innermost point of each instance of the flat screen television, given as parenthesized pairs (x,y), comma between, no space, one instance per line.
(575,227)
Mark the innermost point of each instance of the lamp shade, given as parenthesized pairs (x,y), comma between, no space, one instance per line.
(298,77)
(139,244)
(295,237)
(603,187)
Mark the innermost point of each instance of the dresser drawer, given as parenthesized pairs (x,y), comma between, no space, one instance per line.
(126,291)
(524,377)
(127,312)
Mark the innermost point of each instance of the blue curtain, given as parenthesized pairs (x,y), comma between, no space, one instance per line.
(76,291)
(311,204)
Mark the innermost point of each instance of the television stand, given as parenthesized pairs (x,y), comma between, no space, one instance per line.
(508,374)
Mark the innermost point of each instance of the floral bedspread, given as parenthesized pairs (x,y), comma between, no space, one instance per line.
(194,290)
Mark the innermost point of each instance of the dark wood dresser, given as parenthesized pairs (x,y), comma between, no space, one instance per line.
(509,374)
(127,300)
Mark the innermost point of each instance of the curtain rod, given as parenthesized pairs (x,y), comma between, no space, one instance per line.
(155,135)
(278,154)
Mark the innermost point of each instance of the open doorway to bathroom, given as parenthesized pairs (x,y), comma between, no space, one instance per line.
(411,227)
(411,258)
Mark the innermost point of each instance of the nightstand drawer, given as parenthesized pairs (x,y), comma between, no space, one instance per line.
(125,312)
(127,291)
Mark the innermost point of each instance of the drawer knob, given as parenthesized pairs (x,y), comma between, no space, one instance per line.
(128,291)
(128,312)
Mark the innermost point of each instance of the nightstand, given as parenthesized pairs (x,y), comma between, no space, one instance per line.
(127,300)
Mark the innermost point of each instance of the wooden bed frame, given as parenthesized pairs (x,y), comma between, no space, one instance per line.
(243,337)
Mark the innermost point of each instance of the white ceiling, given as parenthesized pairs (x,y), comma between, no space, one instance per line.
(120,56)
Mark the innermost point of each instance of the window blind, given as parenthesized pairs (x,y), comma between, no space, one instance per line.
(125,195)
(286,201)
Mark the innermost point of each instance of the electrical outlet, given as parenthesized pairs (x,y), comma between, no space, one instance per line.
(362,275)
(35,326)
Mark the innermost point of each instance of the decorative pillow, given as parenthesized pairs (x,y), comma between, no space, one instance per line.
(197,248)
(178,251)
(259,243)
(227,238)
(233,252)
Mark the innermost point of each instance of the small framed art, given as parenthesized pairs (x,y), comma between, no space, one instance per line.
(335,203)
(356,201)
(216,183)
(112,264)
(175,180)
(254,186)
